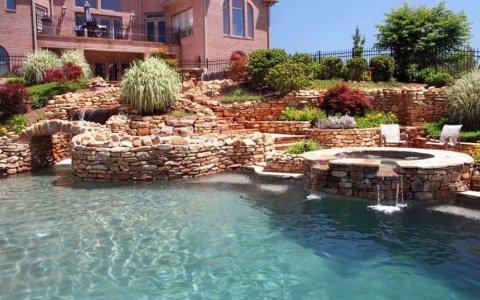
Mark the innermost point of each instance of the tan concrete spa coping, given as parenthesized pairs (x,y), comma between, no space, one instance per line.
(408,158)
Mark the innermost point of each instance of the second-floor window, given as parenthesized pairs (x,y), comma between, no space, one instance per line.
(81,3)
(238,17)
(11,4)
(226,17)
(183,21)
(115,5)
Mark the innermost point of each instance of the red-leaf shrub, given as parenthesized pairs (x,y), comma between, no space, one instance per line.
(72,72)
(237,65)
(69,72)
(14,100)
(345,100)
(52,75)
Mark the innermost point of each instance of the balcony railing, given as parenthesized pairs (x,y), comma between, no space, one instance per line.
(68,27)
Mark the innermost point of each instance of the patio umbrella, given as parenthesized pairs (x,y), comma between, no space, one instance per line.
(87,14)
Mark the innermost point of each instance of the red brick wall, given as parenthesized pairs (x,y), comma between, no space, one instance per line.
(16,28)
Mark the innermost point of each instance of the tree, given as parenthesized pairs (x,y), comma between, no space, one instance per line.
(420,37)
(358,43)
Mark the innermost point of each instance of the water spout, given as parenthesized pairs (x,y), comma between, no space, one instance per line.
(387,171)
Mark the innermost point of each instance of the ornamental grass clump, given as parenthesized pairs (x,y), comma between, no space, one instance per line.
(465,101)
(72,56)
(37,63)
(302,147)
(307,114)
(150,86)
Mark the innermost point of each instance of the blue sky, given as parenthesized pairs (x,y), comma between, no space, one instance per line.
(312,25)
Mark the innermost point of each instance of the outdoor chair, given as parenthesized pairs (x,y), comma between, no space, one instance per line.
(449,138)
(390,135)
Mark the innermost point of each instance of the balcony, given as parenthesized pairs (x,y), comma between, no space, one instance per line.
(66,33)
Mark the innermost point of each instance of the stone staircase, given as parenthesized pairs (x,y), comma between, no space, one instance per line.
(283,141)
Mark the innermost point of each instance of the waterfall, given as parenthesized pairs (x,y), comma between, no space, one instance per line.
(387,172)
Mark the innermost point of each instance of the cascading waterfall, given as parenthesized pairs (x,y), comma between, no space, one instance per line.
(387,172)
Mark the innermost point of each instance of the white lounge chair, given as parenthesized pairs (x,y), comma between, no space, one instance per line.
(450,137)
(390,135)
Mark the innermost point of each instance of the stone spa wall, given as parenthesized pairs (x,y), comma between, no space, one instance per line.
(362,181)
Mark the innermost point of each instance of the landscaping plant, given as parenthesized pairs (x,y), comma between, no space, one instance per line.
(310,114)
(287,77)
(261,61)
(40,94)
(73,57)
(13,100)
(241,95)
(422,35)
(465,101)
(68,72)
(345,100)
(358,43)
(374,119)
(337,122)
(150,86)
(440,79)
(355,69)
(36,63)
(17,123)
(302,147)
(237,66)
(382,68)
(331,68)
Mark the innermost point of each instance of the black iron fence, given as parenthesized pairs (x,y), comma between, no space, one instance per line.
(214,68)
(9,64)
(454,61)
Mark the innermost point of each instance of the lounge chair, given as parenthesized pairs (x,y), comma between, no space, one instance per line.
(390,135)
(450,137)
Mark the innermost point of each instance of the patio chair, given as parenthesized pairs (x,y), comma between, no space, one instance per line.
(450,137)
(390,135)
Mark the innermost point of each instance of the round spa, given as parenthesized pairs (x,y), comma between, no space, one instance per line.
(421,174)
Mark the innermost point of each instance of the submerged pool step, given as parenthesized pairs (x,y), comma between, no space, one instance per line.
(472,197)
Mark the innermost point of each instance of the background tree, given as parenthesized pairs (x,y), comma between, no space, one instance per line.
(421,37)
(358,43)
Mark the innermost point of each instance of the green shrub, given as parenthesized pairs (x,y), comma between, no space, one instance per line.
(287,77)
(12,80)
(318,71)
(440,79)
(465,101)
(42,93)
(302,147)
(309,114)
(374,119)
(356,68)
(332,68)
(17,123)
(150,86)
(241,95)
(3,130)
(36,63)
(73,56)
(382,68)
(421,76)
(308,63)
(261,61)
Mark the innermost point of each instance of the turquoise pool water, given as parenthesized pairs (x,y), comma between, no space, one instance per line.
(229,236)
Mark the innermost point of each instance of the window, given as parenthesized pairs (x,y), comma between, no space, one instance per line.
(250,21)
(238,14)
(156,27)
(115,5)
(183,24)
(4,61)
(226,17)
(11,4)
(40,11)
(81,3)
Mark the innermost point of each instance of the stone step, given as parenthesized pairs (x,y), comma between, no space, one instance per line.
(259,170)
(286,138)
(471,197)
(282,147)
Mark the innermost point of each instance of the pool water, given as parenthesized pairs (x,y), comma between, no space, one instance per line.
(228,236)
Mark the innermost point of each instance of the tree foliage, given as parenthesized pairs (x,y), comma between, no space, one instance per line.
(422,35)
(358,43)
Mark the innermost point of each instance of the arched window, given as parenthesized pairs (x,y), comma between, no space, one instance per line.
(226,17)
(238,13)
(4,61)
(250,22)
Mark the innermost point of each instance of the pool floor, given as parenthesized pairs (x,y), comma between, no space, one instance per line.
(228,236)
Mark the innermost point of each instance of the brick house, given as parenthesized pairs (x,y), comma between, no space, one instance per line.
(120,31)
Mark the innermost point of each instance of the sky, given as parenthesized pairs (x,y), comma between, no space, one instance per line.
(313,25)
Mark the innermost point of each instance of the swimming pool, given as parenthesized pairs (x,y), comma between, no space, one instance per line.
(228,236)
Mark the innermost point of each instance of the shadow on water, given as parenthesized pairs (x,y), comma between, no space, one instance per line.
(343,230)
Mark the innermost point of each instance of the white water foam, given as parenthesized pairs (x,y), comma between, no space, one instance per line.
(388,209)
(274,188)
(313,197)
(67,161)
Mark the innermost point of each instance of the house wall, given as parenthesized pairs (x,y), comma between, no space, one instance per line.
(221,46)
(16,28)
